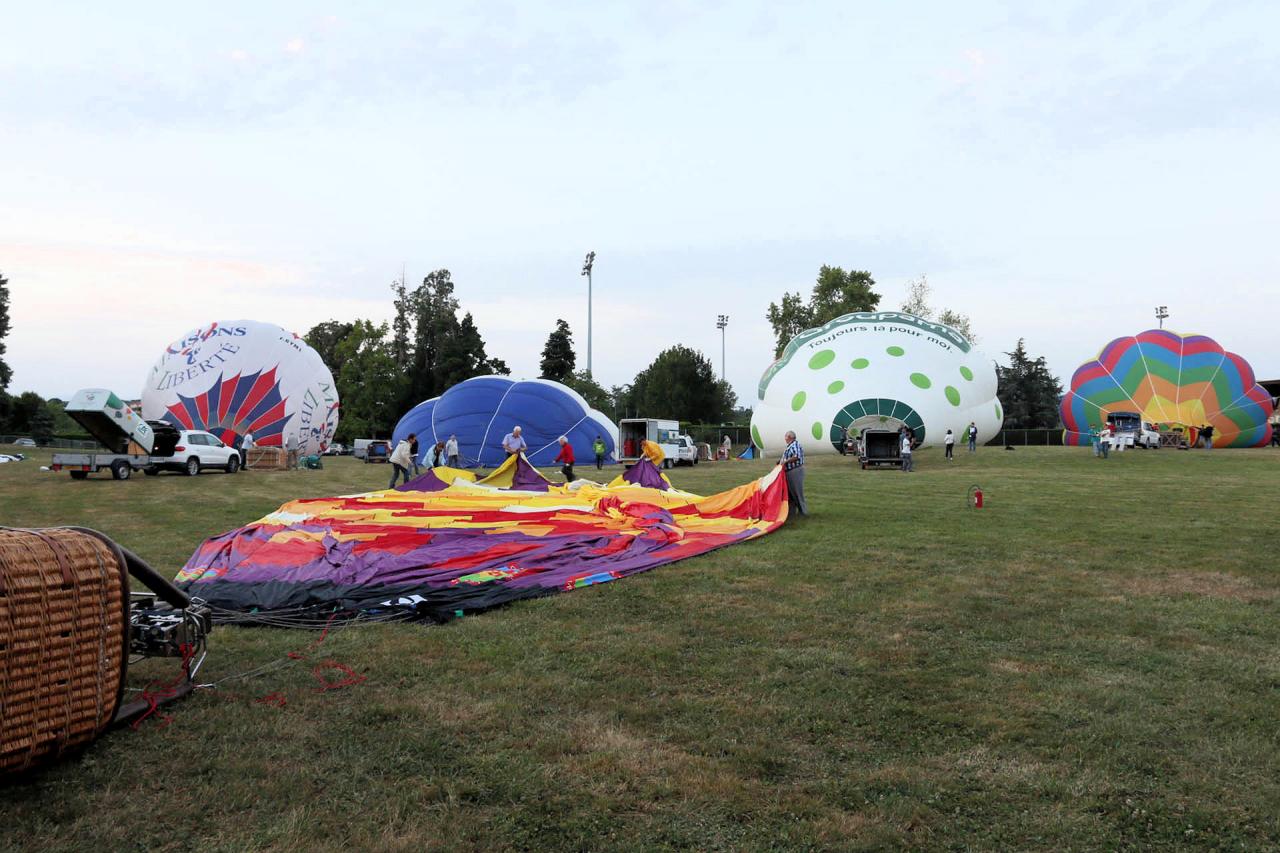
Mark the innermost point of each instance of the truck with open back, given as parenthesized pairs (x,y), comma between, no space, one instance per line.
(632,432)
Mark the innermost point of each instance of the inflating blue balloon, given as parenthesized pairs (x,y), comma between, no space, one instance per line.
(481,411)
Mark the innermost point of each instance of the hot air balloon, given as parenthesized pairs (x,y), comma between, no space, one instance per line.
(480,411)
(1173,381)
(876,370)
(233,377)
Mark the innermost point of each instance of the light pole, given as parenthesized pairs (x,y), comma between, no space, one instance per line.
(1162,312)
(586,270)
(722,320)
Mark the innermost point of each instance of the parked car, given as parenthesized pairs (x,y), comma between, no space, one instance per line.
(194,450)
(25,442)
(377,451)
(336,449)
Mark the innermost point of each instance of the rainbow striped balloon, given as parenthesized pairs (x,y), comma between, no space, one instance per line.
(1172,380)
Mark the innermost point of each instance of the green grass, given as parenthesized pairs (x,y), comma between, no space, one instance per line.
(1090,662)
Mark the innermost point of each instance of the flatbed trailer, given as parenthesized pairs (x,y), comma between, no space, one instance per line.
(81,465)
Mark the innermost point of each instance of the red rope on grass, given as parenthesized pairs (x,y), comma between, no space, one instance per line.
(353,678)
(162,692)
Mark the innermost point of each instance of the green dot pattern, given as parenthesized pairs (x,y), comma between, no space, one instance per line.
(859,363)
(999,416)
(920,380)
(817,430)
(822,359)
(755,436)
(797,402)
(835,387)
(966,373)
(953,396)
(895,351)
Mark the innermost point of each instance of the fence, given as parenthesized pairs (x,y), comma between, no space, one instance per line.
(713,434)
(64,443)
(1028,438)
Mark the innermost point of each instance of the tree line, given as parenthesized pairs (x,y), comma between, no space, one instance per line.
(431,344)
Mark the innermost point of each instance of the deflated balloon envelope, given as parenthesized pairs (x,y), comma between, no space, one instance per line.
(1171,380)
(481,411)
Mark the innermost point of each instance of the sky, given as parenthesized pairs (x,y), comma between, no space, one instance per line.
(1055,169)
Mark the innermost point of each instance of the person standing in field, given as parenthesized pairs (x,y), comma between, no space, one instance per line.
(1095,438)
(451,451)
(972,435)
(792,463)
(513,442)
(949,441)
(726,448)
(566,456)
(246,444)
(413,454)
(1207,432)
(400,461)
(907,465)
(599,448)
(291,451)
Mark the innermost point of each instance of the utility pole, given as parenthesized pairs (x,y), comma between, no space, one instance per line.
(1162,312)
(586,270)
(722,321)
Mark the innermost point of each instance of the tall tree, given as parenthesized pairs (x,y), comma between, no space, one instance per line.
(919,295)
(835,293)
(401,325)
(593,392)
(324,339)
(681,383)
(558,359)
(1028,392)
(370,384)
(5,372)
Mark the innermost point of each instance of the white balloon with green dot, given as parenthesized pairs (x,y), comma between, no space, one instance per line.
(876,370)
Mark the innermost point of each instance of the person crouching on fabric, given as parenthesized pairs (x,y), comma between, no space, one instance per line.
(566,456)
(792,463)
(400,460)
(438,455)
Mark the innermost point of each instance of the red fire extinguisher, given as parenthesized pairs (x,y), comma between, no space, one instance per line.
(975,497)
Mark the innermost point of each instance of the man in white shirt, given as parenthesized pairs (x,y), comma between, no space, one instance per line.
(907,465)
(513,442)
(246,444)
(451,451)
(401,458)
(950,442)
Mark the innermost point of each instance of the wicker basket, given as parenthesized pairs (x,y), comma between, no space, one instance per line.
(267,459)
(64,640)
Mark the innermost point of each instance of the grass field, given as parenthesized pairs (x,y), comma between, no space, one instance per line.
(1090,662)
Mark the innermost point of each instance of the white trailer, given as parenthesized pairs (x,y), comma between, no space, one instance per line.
(126,438)
(678,449)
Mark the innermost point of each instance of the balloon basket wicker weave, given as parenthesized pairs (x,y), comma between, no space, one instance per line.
(267,458)
(64,641)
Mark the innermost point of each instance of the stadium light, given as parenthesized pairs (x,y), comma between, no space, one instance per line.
(721,321)
(586,270)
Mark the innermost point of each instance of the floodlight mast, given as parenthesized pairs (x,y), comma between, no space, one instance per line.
(586,270)
(1162,312)
(722,320)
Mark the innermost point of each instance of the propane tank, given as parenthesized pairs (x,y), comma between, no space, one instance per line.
(977,498)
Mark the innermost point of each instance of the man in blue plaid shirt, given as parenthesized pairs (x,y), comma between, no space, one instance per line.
(792,463)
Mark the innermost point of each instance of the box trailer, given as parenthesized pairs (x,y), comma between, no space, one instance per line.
(677,448)
(128,440)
